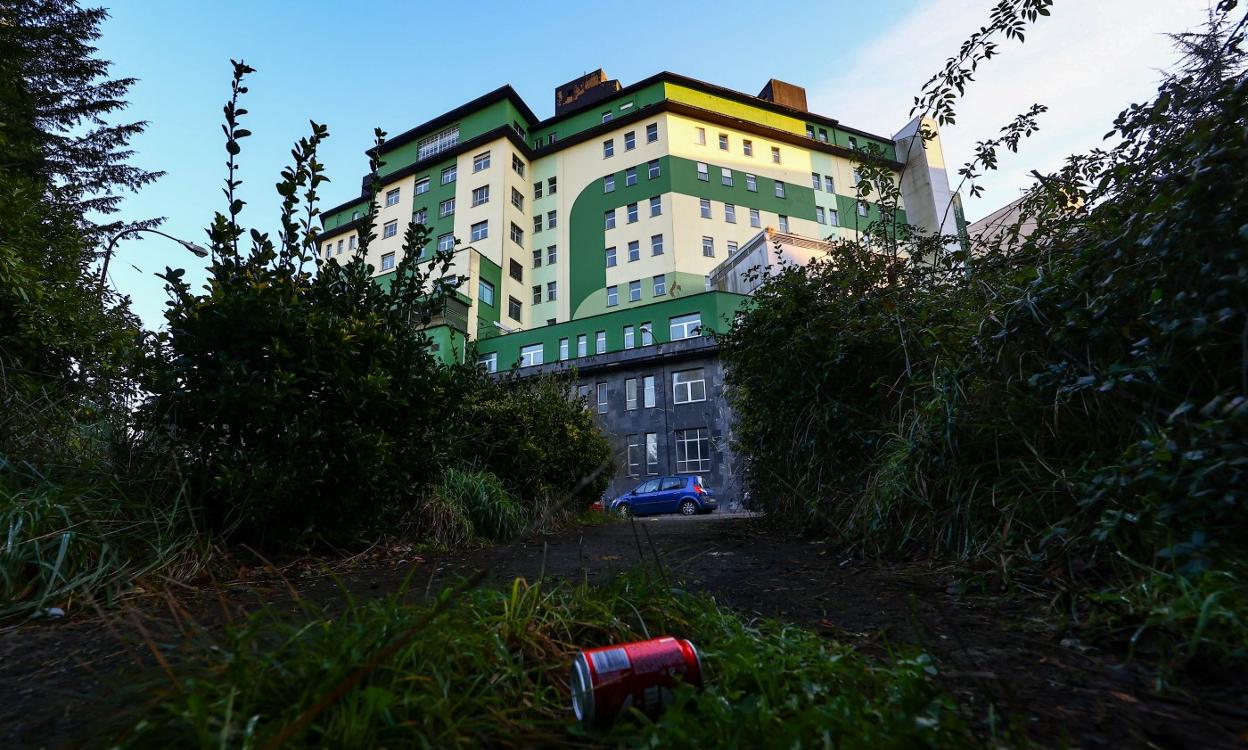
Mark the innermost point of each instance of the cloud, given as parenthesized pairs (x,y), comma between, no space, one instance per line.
(1087,62)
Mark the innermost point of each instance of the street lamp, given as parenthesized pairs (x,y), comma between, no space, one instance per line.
(108,251)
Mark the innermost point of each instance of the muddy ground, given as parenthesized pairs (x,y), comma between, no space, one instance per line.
(1060,689)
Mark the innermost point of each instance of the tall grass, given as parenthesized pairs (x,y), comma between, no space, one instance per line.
(494,514)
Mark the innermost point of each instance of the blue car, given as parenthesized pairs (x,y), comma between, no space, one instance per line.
(684,495)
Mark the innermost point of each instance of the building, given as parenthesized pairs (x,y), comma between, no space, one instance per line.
(587,238)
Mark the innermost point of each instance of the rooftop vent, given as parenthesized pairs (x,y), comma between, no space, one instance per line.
(784,94)
(587,89)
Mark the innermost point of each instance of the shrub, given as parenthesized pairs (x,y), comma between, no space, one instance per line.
(492,511)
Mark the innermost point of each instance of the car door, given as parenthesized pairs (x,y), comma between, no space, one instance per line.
(644,497)
(671,490)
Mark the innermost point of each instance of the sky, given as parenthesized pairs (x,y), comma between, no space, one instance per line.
(356,66)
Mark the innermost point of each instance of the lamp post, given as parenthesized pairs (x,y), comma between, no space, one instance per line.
(108,251)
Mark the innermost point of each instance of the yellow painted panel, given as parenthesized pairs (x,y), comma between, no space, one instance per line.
(732,108)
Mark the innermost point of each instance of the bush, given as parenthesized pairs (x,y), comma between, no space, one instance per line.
(492,511)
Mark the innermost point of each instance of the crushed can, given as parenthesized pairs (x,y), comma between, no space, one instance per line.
(609,680)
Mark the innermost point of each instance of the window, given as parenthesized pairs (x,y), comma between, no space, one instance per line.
(810,131)
(387,261)
(630,140)
(355,215)
(704,206)
(608,183)
(516,271)
(634,251)
(608,219)
(606,117)
(420,216)
(819,214)
(485,292)
(632,213)
(551,291)
(647,388)
(703,173)
(436,144)
(552,255)
(862,208)
(600,342)
(647,334)
(751,183)
(489,362)
(652,169)
(634,291)
(537,258)
(693,451)
(513,308)
(481,161)
(823,134)
(530,355)
(563,349)
(685,326)
(779,189)
(389,229)
(582,345)
(630,394)
(747,147)
(602,398)
(857,177)
(630,337)
(630,176)
(517,199)
(732,248)
(834,217)
(613,296)
(699,136)
(652,453)
(755,221)
(775,154)
(448,175)
(537,294)
(723,141)
(446,242)
(552,187)
(725,176)
(656,244)
(517,165)
(652,132)
(633,456)
(660,285)
(392,197)
(422,186)
(853,142)
(537,190)
(481,195)
(582,392)
(688,386)
(708,247)
(480,230)
(517,234)
(351,242)
(784,223)
(608,148)
(730,213)
(611,257)
(446,208)
(656,206)
(816,181)
(537,224)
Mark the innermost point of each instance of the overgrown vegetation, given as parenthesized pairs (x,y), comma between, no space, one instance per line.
(1068,407)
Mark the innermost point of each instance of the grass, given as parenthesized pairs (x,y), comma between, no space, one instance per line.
(492,670)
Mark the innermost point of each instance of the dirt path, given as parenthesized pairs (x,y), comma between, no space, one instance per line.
(988,650)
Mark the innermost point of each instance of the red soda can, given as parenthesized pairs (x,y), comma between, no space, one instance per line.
(607,681)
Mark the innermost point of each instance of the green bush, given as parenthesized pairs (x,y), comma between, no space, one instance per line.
(492,511)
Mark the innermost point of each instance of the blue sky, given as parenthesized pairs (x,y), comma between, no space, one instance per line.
(394,65)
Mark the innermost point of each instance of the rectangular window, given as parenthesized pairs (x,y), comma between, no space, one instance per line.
(537,190)
(747,147)
(723,141)
(630,140)
(611,257)
(446,208)
(819,214)
(481,161)
(699,136)
(517,199)
(693,451)
(582,345)
(755,220)
(513,308)
(537,224)
(351,242)
(422,186)
(537,258)
(652,132)
(516,271)
(632,213)
(704,206)
(656,244)
(613,296)
(630,176)
(688,386)
(608,219)
(652,169)
(552,187)
(480,230)
(647,389)
(392,197)
(446,242)
(530,355)
(563,349)
(552,254)
(608,148)
(420,216)
(448,174)
(489,362)
(816,181)
(784,223)
(633,455)
(751,183)
(608,183)
(652,453)
(517,165)
(810,131)
(685,326)
(517,234)
(630,394)
(732,247)
(606,117)
(834,217)
(634,251)
(823,134)
(389,229)
(551,220)
(853,142)
(779,189)
(600,342)
(862,208)
(485,292)
(656,206)
(437,143)
(602,398)
(775,154)
(387,261)
(481,195)
(630,337)
(551,291)
(730,213)
(704,173)
(857,178)
(828,184)
(634,291)
(660,285)
(647,334)
(708,247)
(725,176)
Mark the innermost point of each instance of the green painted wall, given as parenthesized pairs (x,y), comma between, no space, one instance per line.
(471,125)
(592,115)
(338,218)
(450,343)
(717,310)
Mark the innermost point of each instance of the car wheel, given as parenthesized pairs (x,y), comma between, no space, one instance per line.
(624,511)
(688,508)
